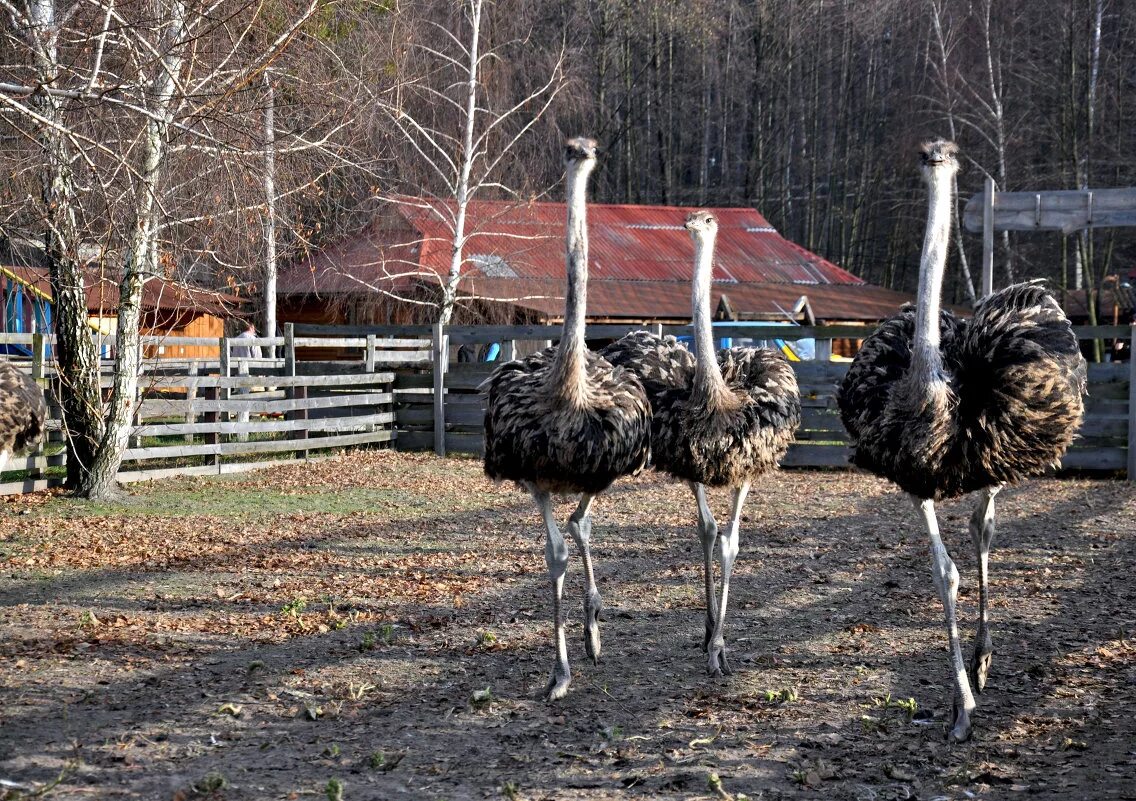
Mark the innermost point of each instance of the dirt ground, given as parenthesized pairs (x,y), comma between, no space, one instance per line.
(376,627)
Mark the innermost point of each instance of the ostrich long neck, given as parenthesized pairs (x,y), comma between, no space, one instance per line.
(568,369)
(927,359)
(708,379)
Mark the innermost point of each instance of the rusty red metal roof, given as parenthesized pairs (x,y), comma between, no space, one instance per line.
(640,261)
(627,243)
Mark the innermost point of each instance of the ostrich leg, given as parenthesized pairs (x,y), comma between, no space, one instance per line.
(982,534)
(708,534)
(580,527)
(716,654)
(556,557)
(946,578)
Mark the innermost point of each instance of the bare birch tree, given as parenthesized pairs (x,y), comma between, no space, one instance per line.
(453,129)
(111,102)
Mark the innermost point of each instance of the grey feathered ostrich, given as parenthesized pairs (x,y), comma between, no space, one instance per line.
(565,421)
(718,421)
(943,406)
(22,411)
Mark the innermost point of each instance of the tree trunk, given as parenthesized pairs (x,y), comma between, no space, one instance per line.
(457,258)
(141,261)
(75,351)
(269,293)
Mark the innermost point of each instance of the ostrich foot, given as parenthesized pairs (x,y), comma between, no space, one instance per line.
(558,682)
(593,606)
(960,724)
(716,662)
(980,666)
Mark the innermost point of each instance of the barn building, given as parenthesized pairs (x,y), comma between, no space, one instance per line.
(640,270)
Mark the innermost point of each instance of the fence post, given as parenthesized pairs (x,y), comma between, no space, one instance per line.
(289,349)
(657,329)
(508,350)
(190,397)
(987,240)
(294,392)
(223,391)
(369,354)
(1131,405)
(823,350)
(38,354)
(440,354)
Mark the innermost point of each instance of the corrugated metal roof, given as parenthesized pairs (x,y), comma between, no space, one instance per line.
(627,243)
(641,262)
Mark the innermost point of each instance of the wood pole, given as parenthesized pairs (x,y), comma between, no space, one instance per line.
(1132,405)
(440,356)
(988,239)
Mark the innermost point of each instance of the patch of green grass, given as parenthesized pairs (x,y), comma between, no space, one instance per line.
(786,695)
(908,706)
(210,783)
(294,607)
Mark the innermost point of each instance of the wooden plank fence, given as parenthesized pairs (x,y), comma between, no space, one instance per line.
(198,416)
(451,420)
(230,413)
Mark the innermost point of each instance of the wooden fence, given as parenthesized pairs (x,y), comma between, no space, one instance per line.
(226,414)
(450,420)
(322,387)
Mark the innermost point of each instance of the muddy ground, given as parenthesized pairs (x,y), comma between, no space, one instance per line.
(376,627)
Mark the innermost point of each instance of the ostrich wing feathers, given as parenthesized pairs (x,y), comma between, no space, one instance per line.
(730,443)
(1015,380)
(661,363)
(22,410)
(533,436)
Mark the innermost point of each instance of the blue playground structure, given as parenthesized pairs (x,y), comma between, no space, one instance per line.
(27,310)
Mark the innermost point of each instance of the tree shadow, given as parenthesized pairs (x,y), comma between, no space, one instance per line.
(815,601)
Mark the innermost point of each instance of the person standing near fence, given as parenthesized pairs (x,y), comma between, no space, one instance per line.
(244,352)
(247,351)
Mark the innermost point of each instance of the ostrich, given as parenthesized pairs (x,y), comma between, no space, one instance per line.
(22,411)
(942,407)
(565,421)
(718,421)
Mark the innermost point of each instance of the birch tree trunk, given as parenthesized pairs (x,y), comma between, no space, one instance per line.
(141,258)
(457,249)
(269,292)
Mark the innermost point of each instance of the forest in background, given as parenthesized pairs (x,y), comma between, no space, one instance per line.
(808,110)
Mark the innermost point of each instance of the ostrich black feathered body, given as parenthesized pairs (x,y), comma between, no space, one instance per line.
(22,410)
(1012,402)
(534,435)
(662,364)
(719,438)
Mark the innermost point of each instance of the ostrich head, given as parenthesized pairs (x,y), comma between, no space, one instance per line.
(580,149)
(939,157)
(701,222)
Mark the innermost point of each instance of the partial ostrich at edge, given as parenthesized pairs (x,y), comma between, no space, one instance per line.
(22,412)
(718,421)
(943,406)
(565,421)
